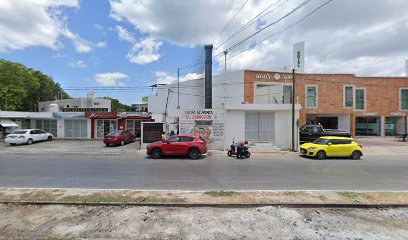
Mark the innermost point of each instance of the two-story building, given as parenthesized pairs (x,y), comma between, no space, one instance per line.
(256,105)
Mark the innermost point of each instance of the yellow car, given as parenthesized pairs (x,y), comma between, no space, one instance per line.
(332,147)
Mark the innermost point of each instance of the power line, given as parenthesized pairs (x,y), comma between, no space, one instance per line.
(267,26)
(252,21)
(284,30)
(230,21)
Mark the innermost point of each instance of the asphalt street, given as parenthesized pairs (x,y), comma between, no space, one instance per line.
(283,172)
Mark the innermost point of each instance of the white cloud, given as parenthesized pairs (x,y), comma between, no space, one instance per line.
(124,34)
(101,44)
(343,37)
(77,64)
(28,23)
(166,78)
(110,79)
(100,28)
(81,45)
(145,51)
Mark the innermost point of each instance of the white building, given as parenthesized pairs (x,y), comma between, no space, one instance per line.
(78,104)
(264,120)
(66,125)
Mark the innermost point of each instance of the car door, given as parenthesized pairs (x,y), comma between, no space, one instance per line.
(185,144)
(172,146)
(333,148)
(346,148)
(34,134)
(42,135)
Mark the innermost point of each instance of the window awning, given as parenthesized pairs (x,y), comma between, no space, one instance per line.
(8,123)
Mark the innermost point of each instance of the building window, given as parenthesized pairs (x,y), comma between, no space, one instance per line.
(360,99)
(76,128)
(259,126)
(348,96)
(311,96)
(404,99)
(49,126)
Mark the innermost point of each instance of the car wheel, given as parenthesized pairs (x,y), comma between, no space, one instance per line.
(122,143)
(321,155)
(356,155)
(107,144)
(194,153)
(49,138)
(247,155)
(156,153)
(30,141)
(12,144)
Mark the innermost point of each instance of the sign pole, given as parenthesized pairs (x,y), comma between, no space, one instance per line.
(293,110)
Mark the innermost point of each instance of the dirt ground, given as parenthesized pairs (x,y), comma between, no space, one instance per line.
(79,222)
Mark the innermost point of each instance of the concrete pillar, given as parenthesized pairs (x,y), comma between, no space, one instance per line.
(383,126)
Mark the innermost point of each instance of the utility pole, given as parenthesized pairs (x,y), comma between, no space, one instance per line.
(225,89)
(178,88)
(165,111)
(293,110)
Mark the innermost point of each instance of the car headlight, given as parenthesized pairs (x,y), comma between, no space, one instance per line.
(147,146)
(311,148)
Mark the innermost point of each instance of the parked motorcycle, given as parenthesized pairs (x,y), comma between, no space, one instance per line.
(233,150)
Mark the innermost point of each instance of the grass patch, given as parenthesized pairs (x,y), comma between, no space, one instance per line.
(351,196)
(221,193)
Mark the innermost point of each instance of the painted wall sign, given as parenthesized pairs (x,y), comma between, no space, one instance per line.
(205,123)
(276,76)
(370,114)
(84,110)
(299,56)
(398,114)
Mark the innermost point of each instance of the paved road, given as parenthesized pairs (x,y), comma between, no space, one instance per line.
(211,173)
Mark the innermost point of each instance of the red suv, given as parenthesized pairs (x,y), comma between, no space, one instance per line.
(190,145)
(120,137)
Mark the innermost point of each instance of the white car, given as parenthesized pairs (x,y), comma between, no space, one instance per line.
(28,136)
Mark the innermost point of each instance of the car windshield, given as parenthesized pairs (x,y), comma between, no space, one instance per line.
(19,132)
(321,141)
(115,133)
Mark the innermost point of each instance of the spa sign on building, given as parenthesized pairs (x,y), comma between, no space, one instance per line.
(205,123)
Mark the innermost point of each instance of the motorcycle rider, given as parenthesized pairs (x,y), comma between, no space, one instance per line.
(240,149)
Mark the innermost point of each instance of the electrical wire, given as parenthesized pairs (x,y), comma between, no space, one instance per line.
(226,26)
(267,26)
(252,21)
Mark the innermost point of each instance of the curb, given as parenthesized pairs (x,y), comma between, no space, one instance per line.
(212,205)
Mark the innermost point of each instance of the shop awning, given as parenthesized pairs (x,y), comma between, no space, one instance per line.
(8,123)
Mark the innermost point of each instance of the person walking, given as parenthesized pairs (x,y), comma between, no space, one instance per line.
(240,150)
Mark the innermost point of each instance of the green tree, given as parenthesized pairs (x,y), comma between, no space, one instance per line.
(117,106)
(24,87)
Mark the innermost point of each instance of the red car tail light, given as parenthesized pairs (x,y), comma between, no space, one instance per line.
(21,137)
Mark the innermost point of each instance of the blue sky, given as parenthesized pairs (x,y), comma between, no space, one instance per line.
(134,43)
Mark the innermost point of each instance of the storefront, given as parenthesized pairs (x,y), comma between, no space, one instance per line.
(103,123)
(368,126)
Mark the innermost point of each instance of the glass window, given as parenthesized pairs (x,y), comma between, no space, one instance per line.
(259,126)
(175,139)
(311,97)
(321,141)
(348,96)
(186,139)
(368,126)
(19,132)
(404,99)
(360,99)
(76,128)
